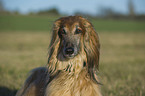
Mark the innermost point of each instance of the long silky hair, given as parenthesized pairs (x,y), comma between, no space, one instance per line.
(90,44)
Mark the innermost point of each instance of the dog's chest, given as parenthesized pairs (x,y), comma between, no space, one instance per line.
(71,85)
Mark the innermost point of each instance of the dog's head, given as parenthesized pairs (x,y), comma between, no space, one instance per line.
(73,35)
(70,33)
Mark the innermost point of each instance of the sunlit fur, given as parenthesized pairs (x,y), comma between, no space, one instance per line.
(74,77)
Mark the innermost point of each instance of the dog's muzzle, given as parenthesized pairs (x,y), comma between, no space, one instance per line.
(69,50)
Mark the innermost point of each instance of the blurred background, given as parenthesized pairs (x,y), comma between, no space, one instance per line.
(25,32)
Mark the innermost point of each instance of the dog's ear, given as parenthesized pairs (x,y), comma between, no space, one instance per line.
(54,44)
(91,47)
(54,37)
(55,30)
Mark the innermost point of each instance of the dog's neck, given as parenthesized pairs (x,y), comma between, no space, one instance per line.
(74,65)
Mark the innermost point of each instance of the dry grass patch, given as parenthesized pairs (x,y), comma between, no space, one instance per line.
(122,61)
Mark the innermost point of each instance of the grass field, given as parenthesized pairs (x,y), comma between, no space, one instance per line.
(122,63)
(44,23)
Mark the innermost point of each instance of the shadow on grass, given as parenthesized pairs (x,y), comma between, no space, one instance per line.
(4,91)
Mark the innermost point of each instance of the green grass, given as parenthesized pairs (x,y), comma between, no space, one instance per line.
(122,62)
(119,25)
(26,23)
(44,23)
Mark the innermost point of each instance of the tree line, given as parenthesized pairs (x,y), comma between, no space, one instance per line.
(104,12)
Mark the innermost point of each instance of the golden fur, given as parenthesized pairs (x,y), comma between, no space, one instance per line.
(73,77)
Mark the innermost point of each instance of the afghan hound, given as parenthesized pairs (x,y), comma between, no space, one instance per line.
(73,62)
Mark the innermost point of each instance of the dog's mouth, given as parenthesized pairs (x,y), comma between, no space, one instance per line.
(69,56)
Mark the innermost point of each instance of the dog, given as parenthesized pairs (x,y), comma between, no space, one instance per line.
(73,62)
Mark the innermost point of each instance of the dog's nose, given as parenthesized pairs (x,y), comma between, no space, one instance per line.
(69,51)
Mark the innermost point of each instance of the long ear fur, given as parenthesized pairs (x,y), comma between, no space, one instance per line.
(92,48)
(54,41)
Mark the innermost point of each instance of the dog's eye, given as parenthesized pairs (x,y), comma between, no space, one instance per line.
(78,31)
(63,31)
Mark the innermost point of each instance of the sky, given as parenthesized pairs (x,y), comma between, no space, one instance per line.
(71,6)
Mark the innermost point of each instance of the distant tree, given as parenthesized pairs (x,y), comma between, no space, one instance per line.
(79,13)
(131,8)
(31,13)
(52,11)
(16,12)
(106,12)
(109,13)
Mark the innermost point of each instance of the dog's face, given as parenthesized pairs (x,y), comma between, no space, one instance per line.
(74,38)
(70,34)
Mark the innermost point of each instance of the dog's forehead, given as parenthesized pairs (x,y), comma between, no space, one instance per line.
(70,21)
(71,25)
(71,28)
